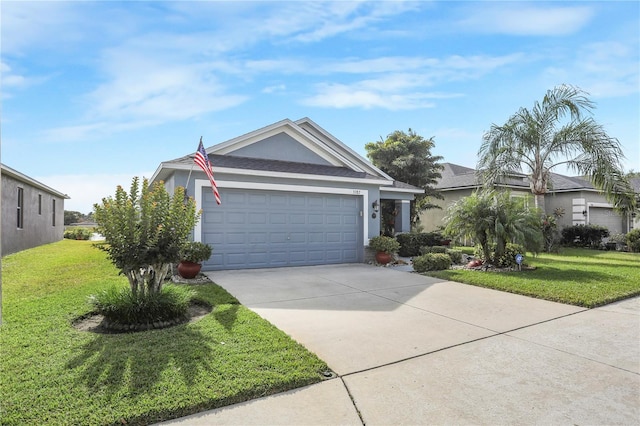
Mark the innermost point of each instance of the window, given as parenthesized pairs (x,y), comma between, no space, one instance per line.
(20,209)
(53,212)
(39,203)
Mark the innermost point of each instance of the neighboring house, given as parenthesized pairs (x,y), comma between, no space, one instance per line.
(292,194)
(32,212)
(635,218)
(580,201)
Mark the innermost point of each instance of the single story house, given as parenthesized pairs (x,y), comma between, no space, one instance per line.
(292,194)
(32,212)
(577,198)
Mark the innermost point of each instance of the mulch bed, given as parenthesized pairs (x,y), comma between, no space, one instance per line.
(95,323)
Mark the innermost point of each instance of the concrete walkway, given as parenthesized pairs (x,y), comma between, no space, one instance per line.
(409,349)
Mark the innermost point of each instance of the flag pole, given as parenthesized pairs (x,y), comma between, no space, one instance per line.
(189,177)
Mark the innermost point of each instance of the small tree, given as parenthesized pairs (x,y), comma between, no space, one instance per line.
(407,158)
(550,231)
(72,217)
(144,231)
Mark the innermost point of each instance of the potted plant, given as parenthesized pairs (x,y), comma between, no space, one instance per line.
(191,256)
(384,247)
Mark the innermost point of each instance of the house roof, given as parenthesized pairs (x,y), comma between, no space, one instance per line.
(8,171)
(455,176)
(247,163)
(459,177)
(335,159)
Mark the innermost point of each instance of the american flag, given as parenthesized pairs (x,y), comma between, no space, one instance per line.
(202,160)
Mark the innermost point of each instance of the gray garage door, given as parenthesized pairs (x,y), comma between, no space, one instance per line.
(265,229)
(606,217)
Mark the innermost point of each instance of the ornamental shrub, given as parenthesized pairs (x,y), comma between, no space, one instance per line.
(506,260)
(410,243)
(195,251)
(384,244)
(550,233)
(589,236)
(455,255)
(122,306)
(78,233)
(633,240)
(433,249)
(431,262)
(144,231)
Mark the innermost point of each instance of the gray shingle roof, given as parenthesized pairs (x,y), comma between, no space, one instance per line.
(247,163)
(456,177)
(402,185)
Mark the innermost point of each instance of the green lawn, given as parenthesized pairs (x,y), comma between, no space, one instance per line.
(580,277)
(50,373)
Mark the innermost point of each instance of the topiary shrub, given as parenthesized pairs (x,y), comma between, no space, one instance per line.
(195,251)
(455,255)
(384,244)
(410,243)
(431,262)
(506,260)
(433,249)
(122,307)
(633,240)
(588,236)
(78,233)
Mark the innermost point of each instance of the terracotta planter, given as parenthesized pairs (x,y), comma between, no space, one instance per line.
(474,263)
(383,258)
(188,270)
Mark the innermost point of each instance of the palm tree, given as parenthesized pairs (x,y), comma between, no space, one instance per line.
(472,217)
(540,140)
(515,223)
(494,219)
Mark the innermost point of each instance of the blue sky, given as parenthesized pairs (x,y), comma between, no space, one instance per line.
(94,93)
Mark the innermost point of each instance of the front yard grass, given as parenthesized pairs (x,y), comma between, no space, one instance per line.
(579,277)
(51,373)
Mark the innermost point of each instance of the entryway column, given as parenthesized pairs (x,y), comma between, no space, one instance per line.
(403,218)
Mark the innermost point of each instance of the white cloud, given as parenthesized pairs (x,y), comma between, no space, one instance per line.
(25,23)
(604,69)
(145,87)
(13,81)
(307,22)
(74,133)
(274,89)
(519,19)
(159,76)
(394,87)
(370,94)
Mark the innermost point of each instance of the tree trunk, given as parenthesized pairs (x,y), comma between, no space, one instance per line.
(539,199)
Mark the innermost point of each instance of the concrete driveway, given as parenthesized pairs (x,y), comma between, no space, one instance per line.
(409,349)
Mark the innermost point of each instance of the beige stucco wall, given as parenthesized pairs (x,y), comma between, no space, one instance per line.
(432,219)
(573,203)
